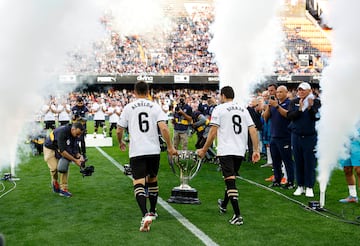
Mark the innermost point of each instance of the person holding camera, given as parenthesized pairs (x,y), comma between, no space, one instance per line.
(79,114)
(142,118)
(203,105)
(182,120)
(60,148)
(280,142)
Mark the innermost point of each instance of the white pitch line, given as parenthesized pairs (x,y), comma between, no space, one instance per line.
(185,222)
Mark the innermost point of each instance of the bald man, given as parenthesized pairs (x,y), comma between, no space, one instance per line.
(280,143)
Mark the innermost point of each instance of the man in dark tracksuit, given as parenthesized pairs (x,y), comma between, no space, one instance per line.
(256,117)
(303,113)
(280,143)
(79,114)
(60,148)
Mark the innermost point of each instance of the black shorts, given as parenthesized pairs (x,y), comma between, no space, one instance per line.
(63,122)
(143,166)
(50,124)
(100,123)
(230,165)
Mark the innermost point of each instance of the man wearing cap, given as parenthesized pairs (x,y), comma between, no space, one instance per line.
(79,114)
(303,113)
(203,105)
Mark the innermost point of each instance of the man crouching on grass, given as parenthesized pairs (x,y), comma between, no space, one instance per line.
(143,117)
(60,148)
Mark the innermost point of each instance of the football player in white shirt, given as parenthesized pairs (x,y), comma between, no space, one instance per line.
(113,112)
(231,123)
(49,111)
(99,108)
(64,111)
(142,118)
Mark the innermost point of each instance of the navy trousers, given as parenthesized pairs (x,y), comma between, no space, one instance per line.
(280,149)
(305,160)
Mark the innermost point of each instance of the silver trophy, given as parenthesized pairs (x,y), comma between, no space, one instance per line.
(185,165)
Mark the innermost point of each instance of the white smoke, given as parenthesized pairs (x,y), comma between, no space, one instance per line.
(340,88)
(137,16)
(247,35)
(36,35)
(147,18)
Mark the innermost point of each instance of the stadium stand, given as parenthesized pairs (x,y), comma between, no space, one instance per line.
(185,48)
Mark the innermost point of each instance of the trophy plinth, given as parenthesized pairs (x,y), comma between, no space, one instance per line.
(185,196)
(186,165)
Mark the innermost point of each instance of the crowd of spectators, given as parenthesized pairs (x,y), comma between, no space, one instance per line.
(168,99)
(182,50)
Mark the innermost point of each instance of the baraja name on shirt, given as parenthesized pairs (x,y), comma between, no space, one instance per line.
(142,104)
(235,107)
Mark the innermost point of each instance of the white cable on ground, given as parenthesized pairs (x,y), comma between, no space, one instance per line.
(319,212)
(13,188)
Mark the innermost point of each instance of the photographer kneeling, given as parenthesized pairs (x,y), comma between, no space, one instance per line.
(60,148)
(182,120)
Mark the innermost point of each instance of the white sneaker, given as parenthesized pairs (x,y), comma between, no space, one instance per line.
(309,192)
(145,223)
(267,165)
(152,215)
(299,191)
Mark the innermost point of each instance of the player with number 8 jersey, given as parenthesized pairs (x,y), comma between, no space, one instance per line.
(231,123)
(230,115)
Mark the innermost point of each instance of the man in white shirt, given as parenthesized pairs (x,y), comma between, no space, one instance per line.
(230,123)
(49,111)
(64,111)
(114,114)
(98,109)
(142,118)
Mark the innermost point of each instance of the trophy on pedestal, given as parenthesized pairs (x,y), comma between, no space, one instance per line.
(186,165)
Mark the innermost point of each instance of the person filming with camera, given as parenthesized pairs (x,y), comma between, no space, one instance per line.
(60,148)
(182,120)
(79,114)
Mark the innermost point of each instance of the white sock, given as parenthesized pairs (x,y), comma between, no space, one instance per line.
(268,155)
(283,170)
(352,190)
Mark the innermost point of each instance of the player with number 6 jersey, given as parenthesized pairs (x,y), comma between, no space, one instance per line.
(143,118)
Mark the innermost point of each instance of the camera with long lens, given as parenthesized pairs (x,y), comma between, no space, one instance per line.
(86,170)
(127,169)
(180,105)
